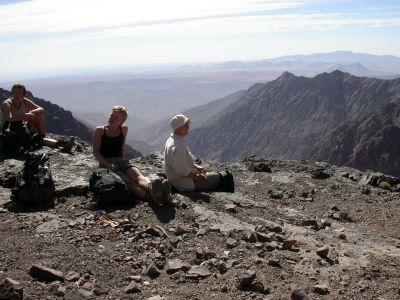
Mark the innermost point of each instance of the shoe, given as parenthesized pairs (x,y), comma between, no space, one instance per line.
(156,191)
(67,145)
(166,197)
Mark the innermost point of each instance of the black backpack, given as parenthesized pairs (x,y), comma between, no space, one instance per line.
(108,188)
(15,135)
(35,183)
(226,182)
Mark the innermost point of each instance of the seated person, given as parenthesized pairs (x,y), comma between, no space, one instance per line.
(179,165)
(18,110)
(108,147)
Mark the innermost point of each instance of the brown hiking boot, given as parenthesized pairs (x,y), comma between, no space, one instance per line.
(67,144)
(156,191)
(166,197)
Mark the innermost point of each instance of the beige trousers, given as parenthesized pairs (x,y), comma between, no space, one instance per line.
(209,184)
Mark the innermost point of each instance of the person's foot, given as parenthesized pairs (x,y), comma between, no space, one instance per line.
(166,197)
(156,191)
(67,145)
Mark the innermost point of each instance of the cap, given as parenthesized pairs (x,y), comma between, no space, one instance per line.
(178,121)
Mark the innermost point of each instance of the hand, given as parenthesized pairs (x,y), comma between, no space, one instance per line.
(198,177)
(29,117)
(113,168)
(200,169)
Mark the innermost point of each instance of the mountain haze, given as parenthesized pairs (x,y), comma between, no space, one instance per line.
(156,134)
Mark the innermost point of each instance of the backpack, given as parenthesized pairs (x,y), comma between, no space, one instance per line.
(226,182)
(34,184)
(108,188)
(15,135)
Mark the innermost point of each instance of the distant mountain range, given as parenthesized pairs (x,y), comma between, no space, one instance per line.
(60,121)
(153,97)
(290,117)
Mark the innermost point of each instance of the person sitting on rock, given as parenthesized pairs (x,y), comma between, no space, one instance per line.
(108,148)
(183,173)
(19,110)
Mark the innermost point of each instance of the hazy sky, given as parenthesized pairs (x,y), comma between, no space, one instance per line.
(39,36)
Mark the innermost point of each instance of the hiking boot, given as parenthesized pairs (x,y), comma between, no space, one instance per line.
(156,191)
(67,144)
(166,196)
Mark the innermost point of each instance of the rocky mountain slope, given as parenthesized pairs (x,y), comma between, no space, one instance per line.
(156,134)
(292,230)
(287,117)
(371,142)
(61,121)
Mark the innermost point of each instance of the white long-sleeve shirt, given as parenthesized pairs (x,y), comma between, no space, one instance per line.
(178,163)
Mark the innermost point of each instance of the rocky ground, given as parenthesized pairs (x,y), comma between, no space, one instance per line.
(292,230)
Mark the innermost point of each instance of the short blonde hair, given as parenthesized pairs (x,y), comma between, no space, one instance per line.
(121,109)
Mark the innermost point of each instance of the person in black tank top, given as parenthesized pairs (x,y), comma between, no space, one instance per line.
(108,149)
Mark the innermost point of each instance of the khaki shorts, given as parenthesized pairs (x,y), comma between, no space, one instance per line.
(120,163)
(211,182)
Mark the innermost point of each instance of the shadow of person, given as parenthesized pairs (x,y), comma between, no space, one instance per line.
(112,207)
(21,207)
(164,213)
(197,196)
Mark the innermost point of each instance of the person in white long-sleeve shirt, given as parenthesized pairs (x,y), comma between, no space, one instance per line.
(182,172)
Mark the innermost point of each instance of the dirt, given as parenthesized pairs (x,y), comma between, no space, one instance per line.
(211,230)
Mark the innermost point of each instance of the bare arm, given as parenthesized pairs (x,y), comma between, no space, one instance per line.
(125,133)
(5,107)
(33,107)
(98,132)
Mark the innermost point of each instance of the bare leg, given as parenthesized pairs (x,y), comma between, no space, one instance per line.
(52,143)
(38,124)
(132,185)
(137,177)
(41,124)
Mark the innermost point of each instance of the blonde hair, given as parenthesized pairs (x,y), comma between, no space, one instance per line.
(121,109)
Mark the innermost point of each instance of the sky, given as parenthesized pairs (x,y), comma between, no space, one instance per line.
(40,37)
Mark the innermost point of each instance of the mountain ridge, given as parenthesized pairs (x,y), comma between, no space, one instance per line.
(285,117)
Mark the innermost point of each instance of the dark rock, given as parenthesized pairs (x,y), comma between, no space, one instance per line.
(260,167)
(244,279)
(299,295)
(277,195)
(201,271)
(252,237)
(323,252)
(72,276)
(231,208)
(151,270)
(182,230)
(320,174)
(11,289)
(176,265)
(43,273)
(231,243)
(263,237)
(288,244)
(273,262)
(132,287)
(271,246)
(321,289)
(153,231)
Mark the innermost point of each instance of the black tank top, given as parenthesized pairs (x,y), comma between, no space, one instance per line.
(111,146)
